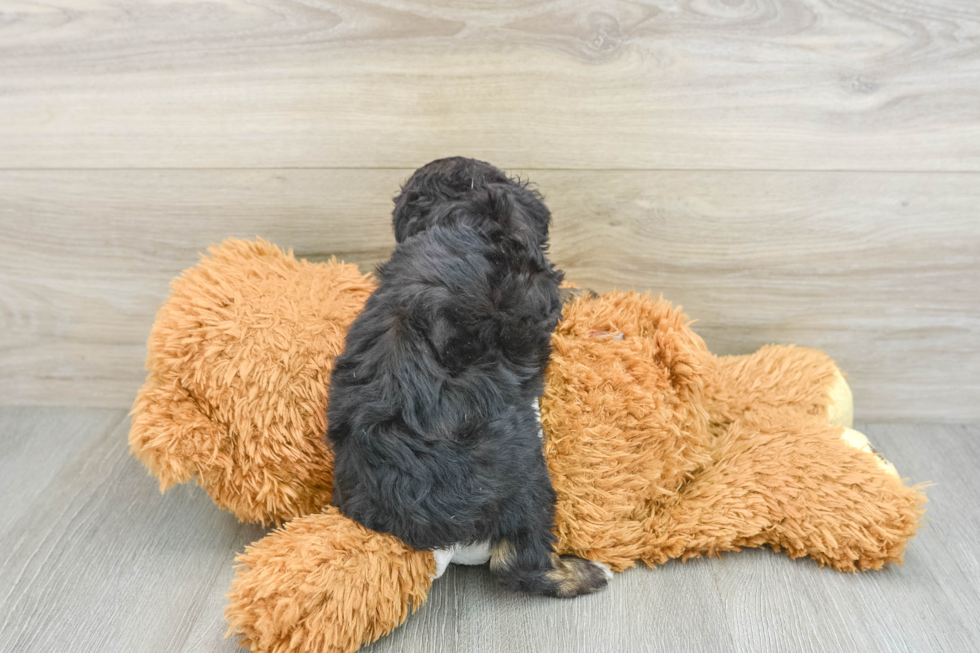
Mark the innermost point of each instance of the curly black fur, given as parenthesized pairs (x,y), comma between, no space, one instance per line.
(431,413)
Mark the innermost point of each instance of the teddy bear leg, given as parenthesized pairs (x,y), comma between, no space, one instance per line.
(799,487)
(325,583)
(776,378)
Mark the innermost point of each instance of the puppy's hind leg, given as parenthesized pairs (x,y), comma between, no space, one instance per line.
(522,554)
(528,564)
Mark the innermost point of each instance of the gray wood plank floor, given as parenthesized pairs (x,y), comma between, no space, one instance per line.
(95,559)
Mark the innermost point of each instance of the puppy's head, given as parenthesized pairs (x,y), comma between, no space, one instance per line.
(460,190)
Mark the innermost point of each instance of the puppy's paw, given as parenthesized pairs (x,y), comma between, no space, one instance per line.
(574,576)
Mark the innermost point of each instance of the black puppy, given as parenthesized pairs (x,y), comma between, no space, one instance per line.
(432,417)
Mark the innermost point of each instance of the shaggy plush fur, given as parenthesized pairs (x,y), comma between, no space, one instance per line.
(656,448)
(346,603)
(432,403)
(660,450)
(240,360)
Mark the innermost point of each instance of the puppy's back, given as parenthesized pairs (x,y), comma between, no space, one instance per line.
(422,401)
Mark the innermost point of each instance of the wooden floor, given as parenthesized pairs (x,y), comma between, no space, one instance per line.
(95,559)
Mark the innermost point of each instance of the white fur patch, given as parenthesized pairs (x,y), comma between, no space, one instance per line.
(472,554)
(443,558)
(461,554)
(606,571)
(537,412)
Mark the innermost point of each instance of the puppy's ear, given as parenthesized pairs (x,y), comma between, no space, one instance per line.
(407,218)
(521,210)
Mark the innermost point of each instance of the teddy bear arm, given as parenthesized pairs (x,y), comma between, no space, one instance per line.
(324,583)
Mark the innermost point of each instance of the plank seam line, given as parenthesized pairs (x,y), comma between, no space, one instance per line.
(517,168)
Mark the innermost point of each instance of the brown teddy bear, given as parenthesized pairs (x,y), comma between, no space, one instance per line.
(657,449)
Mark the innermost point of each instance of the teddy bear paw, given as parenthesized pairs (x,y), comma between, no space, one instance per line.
(860,441)
(840,407)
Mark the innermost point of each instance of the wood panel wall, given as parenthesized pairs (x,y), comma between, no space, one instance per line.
(789,170)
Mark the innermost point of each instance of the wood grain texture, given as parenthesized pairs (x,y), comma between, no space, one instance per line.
(881,270)
(789,170)
(675,608)
(96,560)
(662,84)
(927,605)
